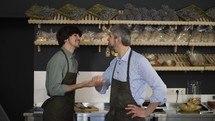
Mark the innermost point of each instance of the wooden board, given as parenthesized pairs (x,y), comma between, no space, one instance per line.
(86,109)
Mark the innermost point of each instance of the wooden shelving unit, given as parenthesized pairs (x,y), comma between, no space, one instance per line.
(182,63)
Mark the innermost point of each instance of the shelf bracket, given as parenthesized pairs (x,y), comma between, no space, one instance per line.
(39,26)
(192,49)
(175,49)
(38,48)
(100,48)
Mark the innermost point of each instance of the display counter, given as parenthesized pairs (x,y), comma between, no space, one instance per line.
(170,113)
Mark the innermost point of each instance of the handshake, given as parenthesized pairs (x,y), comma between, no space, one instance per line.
(96,81)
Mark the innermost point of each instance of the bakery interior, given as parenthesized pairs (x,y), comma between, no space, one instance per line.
(23,92)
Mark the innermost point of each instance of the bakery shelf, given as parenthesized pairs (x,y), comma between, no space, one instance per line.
(203,22)
(179,68)
(135,43)
(93,43)
(45,42)
(201,44)
(160,43)
(182,63)
(56,43)
(105,43)
(90,19)
(65,20)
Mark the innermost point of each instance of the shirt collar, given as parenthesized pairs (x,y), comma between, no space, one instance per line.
(68,53)
(125,57)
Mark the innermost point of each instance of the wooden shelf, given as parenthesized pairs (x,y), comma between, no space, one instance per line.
(134,43)
(163,22)
(201,44)
(94,43)
(89,19)
(161,43)
(45,42)
(182,63)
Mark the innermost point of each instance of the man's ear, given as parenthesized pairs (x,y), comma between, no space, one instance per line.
(119,39)
(65,40)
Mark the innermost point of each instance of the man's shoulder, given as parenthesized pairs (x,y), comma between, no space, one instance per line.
(58,56)
(137,55)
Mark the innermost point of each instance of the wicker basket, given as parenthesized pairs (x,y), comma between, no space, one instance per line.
(98,11)
(68,9)
(211,13)
(34,12)
(197,14)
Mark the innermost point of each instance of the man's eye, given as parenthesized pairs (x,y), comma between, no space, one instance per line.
(76,35)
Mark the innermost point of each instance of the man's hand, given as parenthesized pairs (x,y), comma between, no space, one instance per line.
(98,82)
(136,111)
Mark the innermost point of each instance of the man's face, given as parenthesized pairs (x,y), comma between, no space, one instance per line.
(74,40)
(111,41)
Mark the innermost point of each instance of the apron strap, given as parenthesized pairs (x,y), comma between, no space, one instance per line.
(66,59)
(128,68)
(128,76)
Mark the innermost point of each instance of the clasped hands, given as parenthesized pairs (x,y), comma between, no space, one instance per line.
(96,81)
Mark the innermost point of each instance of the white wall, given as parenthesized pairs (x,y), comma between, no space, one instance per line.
(90,94)
(82,95)
(40,94)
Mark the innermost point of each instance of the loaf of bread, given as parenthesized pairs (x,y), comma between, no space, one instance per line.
(155,63)
(169,63)
(152,57)
(211,104)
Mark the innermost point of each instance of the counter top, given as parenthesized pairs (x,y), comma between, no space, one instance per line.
(170,111)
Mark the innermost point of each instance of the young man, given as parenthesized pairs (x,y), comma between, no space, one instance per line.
(61,73)
(128,75)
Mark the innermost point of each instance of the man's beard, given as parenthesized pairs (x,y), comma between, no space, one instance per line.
(110,47)
(78,45)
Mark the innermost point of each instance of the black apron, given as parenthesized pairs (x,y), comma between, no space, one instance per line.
(119,99)
(61,108)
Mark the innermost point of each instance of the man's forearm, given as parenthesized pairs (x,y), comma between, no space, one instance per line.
(76,86)
(151,107)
